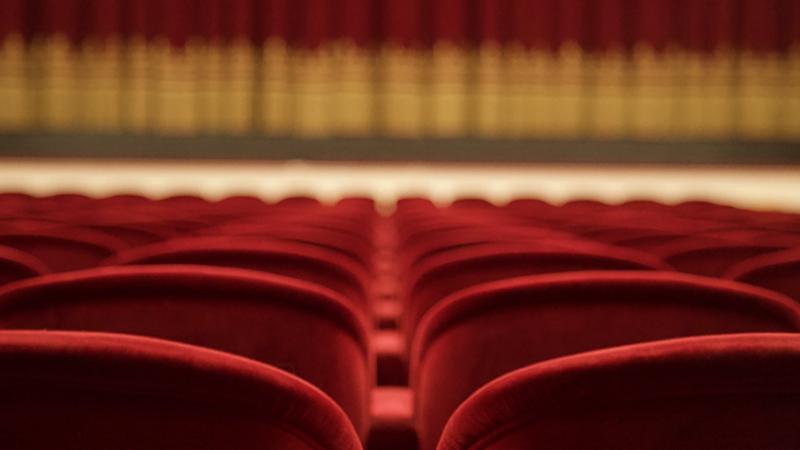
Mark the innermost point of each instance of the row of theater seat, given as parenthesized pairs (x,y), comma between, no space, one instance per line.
(128,322)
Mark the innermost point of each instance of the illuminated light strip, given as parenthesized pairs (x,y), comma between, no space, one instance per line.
(746,187)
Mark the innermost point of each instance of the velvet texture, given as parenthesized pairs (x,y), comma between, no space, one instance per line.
(268,318)
(64,249)
(16,265)
(97,391)
(735,392)
(713,260)
(481,333)
(459,269)
(304,262)
(332,240)
(778,271)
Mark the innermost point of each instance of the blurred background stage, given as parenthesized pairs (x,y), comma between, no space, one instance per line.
(556,98)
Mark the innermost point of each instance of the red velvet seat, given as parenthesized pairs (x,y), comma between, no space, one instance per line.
(331,240)
(481,333)
(779,271)
(296,326)
(64,249)
(300,201)
(736,392)
(613,235)
(352,227)
(304,262)
(134,235)
(650,242)
(473,203)
(16,265)
(712,259)
(459,269)
(96,391)
(434,243)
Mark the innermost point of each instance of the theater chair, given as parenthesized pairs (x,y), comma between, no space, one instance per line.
(16,265)
(64,249)
(433,243)
(309,331)
(711,259)
(134,235)
(650,242)
(484,332)
(779,271)
(459,269)
(735,392)
(331,240)
(304,262)
(97,391)
(452,271)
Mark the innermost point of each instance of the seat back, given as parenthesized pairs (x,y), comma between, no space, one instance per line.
(95,391)
(16,265)
(265,317)
(64,249)
(484,332)
(327,239)
(304,262)
(459,269)
(779,271)
(714,260)
(735,392)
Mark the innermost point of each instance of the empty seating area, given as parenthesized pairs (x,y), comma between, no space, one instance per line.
(129,322)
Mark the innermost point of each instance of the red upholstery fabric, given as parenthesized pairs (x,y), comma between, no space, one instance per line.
(650,242)
(131,234)
(460,269)
(309,331)
(779,271)
(64,249)
(95,391)
(440,241)
(331,240)
(713,260)
(295,260)
(16,265)
(736,392)
(479,334)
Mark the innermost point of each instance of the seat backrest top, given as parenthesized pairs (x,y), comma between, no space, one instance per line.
(285,258)
(180,282)
(52,365)
(590,387)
